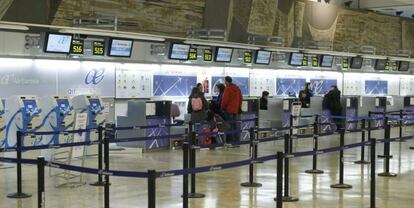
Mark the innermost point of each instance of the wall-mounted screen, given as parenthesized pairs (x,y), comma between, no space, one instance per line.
(403,66)
(263,57)
(57,43)
(296,59)
(120,47)
(356,62)
(326,61)
(223,54)
(179,51)
(380,64)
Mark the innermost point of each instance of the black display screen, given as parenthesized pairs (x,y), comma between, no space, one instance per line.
(356,62)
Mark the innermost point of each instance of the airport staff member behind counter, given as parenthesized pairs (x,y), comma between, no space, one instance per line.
(305,96)
(263,100)
(332,102)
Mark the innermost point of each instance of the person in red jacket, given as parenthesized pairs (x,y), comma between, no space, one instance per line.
(231,106)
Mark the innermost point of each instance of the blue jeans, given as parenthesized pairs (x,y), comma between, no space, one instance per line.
(234,122)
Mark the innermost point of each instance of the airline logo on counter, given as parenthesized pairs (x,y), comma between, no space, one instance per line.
(8,79)
(95,76)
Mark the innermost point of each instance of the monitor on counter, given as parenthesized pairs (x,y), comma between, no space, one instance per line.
(403,66)
(120,47)
(223,54)
(179,51)
(326,61)
(380,64)
(296,59)
(263,57)
(356,62)
(57,43)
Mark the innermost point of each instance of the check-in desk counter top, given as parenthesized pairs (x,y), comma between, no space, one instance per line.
(315,108)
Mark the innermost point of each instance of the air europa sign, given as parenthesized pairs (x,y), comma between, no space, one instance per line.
(95,76)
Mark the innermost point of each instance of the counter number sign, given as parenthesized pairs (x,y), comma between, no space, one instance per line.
(192,54)
(77,47)
(387,66)
(98,48)
(395,66)
(305,61)
(208,55)
(345,63)
(248,57)
(315,62)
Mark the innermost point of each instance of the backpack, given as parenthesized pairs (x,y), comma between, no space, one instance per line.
(196,104)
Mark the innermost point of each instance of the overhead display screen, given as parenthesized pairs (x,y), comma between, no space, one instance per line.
(380,64)
(296,59)
(179,51)
(57,43)
(326,61)
(356,62)
(120,47)
(223,54)
(263,57)
(403,66)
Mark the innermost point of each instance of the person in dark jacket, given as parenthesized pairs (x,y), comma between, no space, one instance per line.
(305,96)
(197,115)
(231,106)
(332,102)
(216,101)
(263,100)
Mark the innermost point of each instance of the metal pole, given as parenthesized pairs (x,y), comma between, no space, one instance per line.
(253,156)
(314,169)
(152,176)
(19,194)
(373,169)
(109,133)
(341,184)
(185,176)
(279,180)
(362,161)
(387,136)
(41,202)
(100,181)
(401,123)
(386,142)
(287,197)
(192,151)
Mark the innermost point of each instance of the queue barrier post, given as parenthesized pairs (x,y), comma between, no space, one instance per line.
(19,143)
(185,176)
(387,144)
(41,196)
(192,160)
(373,169)
(315,169)
(100,145)
(109,134)
(341,184)
(286,197)
(387,135)
(152,177)
(362,161)
(279,180)
(401,123)
(253,156)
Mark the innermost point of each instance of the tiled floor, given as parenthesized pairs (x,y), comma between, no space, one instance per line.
(222,188)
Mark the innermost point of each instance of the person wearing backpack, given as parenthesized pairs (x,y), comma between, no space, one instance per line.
(197,106)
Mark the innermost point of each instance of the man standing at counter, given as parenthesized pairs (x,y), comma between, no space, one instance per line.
(231,106)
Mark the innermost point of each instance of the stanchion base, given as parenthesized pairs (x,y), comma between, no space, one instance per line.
(383,156)
(316,171)
(362,162)
(98,183)
(196,195)
(387,174)
(341,186)
(253,184)
(288,199)
(19,195)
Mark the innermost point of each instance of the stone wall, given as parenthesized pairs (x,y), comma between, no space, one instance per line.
(168,17)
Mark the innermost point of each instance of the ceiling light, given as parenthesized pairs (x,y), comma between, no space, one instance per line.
(115,34)
(335,53)
(13,27)
(221,44)
(373,56)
